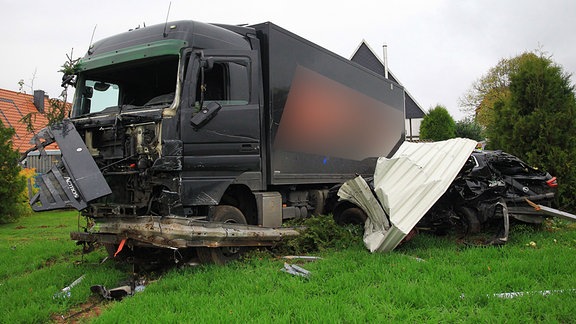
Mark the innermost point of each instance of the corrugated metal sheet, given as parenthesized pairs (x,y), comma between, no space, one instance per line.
(408,184)
(377,226)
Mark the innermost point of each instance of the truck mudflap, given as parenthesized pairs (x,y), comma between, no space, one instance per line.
(178,232)
(73,182)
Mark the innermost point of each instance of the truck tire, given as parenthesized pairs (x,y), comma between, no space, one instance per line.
(317,200)
(350,215)
(223,255)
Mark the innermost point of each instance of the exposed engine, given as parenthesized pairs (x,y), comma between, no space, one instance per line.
(125,154)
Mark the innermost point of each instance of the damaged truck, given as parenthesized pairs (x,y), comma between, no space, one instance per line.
(203,138)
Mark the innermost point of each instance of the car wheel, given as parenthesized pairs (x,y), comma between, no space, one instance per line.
(469,223)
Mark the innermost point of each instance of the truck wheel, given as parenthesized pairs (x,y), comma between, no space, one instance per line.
(223,255)
(352,215)
(317,199)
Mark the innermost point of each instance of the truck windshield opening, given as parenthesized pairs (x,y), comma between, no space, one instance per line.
(143,83)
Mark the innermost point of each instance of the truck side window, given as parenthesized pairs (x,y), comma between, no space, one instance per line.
(226,82)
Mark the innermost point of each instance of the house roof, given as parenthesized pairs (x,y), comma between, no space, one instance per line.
(14,106)
(366,57)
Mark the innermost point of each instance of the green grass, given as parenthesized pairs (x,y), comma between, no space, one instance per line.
(38,259)
(454,283)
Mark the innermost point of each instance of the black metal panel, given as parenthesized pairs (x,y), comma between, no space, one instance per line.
(77,181)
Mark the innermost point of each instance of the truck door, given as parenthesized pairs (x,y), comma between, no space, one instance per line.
(226,144)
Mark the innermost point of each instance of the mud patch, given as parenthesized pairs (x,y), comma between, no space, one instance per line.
(84,312)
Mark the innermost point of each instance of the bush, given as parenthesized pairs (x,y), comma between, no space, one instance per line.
(320,233)
(438,125)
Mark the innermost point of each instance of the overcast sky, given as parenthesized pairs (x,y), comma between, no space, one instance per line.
(436,48)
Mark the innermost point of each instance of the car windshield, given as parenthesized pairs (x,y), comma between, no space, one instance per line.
(142,83)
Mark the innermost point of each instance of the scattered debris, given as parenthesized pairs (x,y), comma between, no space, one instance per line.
(66,291)
(120,247)
(301,257)
(128,289)
(551,211)
(417,259)
(511,295)
(116,293)
(295,270)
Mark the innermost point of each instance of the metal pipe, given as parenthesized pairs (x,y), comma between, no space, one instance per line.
(385,59)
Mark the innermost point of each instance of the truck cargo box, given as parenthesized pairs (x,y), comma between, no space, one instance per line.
(327,118)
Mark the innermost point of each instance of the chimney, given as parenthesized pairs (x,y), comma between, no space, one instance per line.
(39,100)
(385,59)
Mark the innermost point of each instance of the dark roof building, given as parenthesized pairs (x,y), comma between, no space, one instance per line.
(366,57)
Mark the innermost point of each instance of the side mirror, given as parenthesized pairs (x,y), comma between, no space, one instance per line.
(205,115)
(88,92)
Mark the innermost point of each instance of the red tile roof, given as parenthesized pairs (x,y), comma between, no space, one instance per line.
(14,106)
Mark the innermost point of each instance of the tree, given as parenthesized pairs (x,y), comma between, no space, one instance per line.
(537,122)
(478,102)
(438,125)
(469,128)
(57,108)
(12,184)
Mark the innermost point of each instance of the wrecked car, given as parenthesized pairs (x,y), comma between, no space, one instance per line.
(445,186)
(490,183)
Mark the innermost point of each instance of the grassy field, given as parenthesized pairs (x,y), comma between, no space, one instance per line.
(37,260)
(433,279)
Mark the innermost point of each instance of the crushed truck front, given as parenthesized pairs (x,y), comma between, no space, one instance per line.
(123,159)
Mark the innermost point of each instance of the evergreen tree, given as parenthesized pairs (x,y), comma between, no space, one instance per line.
(538,122)
(469,128)
(12,184)
(438,125)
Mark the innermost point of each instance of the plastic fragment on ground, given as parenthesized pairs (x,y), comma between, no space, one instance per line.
(295,270)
